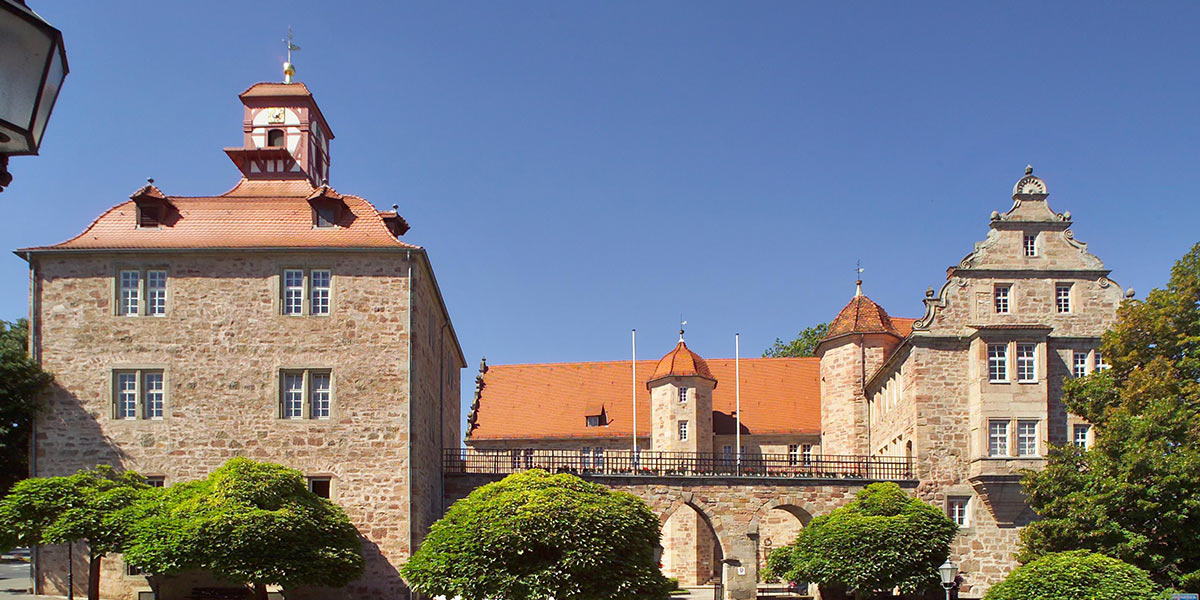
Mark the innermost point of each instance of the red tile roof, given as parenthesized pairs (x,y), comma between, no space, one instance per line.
(863,315)
(681,362)
(254,214)
(551,401)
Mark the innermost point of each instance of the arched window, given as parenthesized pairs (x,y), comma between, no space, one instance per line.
(275,138)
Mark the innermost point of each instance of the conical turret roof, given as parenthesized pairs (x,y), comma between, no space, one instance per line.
(681,362)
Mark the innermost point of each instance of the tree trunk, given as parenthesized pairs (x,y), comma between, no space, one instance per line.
(260,591)
(93,577)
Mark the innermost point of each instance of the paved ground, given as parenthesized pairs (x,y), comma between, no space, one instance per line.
(14,578)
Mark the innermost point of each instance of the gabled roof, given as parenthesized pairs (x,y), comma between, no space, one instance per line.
(551,401)
(681,362)
(254,214)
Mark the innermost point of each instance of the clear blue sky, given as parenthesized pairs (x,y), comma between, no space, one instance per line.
(580,169)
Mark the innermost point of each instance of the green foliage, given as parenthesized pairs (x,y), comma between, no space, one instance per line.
(248,521)
(1135,495)
(805,343)
(882,540)
(86,507)
(21,381)
(1076,575)
(533,536)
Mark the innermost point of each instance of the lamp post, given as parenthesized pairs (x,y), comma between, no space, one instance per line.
(949,574)
(33,65)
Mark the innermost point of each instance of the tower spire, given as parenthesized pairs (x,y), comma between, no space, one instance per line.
(289,70)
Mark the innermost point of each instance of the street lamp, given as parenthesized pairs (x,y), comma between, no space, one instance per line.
(33,65)
(949,574)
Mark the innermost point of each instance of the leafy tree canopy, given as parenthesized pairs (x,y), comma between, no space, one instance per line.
(1076,575)
(882,540)
(21,380)
(533,536)
(1135,495)
(805,343)
(247,521)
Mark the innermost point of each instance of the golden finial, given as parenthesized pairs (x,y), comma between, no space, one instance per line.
(289,70)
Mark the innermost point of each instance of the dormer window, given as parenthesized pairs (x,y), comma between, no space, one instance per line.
(596,417)
(275,138)
(325,216)
(149,216)
(594,421)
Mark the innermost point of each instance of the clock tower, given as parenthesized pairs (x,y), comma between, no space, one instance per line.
(285,134)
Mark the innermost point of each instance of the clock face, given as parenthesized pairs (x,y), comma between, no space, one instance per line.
(1031,185)
(274,115)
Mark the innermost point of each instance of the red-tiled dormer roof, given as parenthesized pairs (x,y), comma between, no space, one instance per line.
(681,362)
(553,401)
(863,315)
(254,214)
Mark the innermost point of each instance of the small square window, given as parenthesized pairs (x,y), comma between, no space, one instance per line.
(1000,298)
(683,431)
(1027,363)
(321,486)
(594,421)
(138,394)
(326,216)
(1081,435)
(306,392)
(997,438)
(997,363)
(956,509)
(1031,248)
(1062,297)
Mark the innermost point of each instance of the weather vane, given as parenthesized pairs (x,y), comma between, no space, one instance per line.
(289,70)
(681,324)
(858,283)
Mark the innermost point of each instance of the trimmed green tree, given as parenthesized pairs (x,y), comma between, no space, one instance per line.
(1135,495)
(533,536)
(884,539)
(21,381)
(248,521)
(1075,575)
(805,343)
(85,507)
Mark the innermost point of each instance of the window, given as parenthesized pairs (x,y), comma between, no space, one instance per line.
(1080,434)
(130,294)
(1026,363)
(156,293)
(585,457)
(156,481)
(1027,443)
(806,453)
(132,570)
(1031,244)
(683,392)
(275,138)
(997,438)
(1001,298)
(305,389)
(593,421)
(598,458)
(997,363)
(529,458)
(516,459)
(321,486)
(1062,297)
(138,394)
(683,431)
(133,285)
(149,215)
(1099,361)
(727,454)
(324,217)
(956,509)
(306,292)
(793,454)
(1079,363)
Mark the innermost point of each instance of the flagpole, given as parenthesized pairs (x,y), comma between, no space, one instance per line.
(633,457)
(737,386)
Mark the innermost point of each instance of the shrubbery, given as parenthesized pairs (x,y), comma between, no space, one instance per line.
(1075,575)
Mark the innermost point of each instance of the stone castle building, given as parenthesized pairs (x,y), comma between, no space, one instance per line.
(951,405)
(281,321)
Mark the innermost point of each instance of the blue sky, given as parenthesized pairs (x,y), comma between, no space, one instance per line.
(580,169)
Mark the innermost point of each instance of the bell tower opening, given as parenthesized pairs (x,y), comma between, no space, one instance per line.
(285,136)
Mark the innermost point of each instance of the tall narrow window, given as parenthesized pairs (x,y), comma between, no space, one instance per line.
(1079,363)
(997,438)
(152,383)
(598,458)
(1027,443)
(1100,364)
(127,395)
(585,457)
(1026,363)
(1031,244)
(683,393)
(293,292)
(806,453)
(683,431)
(319,395)
(275,138)
(956,509)
(320,292)
(727,454)
(793,454)
(293,395)
(529,458)
(1080,435)
(156,293)
(1001,298)
(1062,297)
(997,363)
(131,293)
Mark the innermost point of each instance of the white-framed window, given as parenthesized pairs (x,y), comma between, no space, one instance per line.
(806,453)
(593,421)
(1027,438)
(1062,297)
(598,458)
(1030,245)
(1026,363)
(1079,361)
(130,295)
(305,392)
(324,216)
(683,431)
(793,454)
(138,394)
(997,363)
(956,509)
(1000,298)
(319,293)
(156,293)
(142,292)
(1081,435)
(1100,365)
(998,437)
(515,455)
(293,292)
(529,458)
(321,486)
(683,394)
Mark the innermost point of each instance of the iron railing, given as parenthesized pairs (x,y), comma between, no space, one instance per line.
(685,464)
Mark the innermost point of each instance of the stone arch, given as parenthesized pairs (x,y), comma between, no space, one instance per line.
(776,524)
(706,512)
(796,506)
(694,541)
